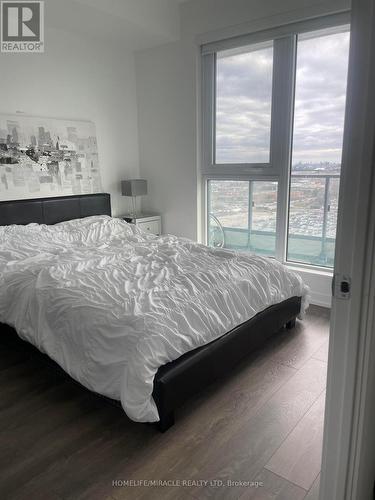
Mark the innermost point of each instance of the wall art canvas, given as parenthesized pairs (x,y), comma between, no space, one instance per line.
(41,157)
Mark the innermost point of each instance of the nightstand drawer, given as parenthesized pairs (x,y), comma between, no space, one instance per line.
(147,222)
(152,226)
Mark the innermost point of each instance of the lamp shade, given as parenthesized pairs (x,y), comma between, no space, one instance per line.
(134,187)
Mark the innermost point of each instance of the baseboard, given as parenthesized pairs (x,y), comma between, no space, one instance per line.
(320,299)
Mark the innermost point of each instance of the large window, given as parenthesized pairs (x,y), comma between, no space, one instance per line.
(273,128)
(321,73)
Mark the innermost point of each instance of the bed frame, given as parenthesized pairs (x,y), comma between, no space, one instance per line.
(176,381)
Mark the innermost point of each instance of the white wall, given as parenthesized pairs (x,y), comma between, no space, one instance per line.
(166,105)
(80,79)
(134,24)
(320,284)
(168,89)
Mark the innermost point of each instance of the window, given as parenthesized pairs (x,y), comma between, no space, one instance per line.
(272,138)
(242,215)
(321,73)
(243,104)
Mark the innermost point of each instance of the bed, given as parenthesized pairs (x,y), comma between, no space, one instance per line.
(137,318)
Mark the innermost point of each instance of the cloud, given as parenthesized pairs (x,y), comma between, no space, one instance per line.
(243,112)
(244,102)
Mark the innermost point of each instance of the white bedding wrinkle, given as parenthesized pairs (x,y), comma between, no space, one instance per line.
(111,303)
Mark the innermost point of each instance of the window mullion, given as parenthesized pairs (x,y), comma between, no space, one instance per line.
(282,106)
(208,99)
(250,214)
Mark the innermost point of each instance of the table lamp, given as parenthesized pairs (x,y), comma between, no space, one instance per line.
(134,188)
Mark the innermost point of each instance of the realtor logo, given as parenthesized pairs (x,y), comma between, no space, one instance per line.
(22,26)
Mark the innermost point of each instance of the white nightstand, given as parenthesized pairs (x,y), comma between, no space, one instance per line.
(147,222)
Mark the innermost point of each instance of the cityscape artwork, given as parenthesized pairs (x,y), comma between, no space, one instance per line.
(41,157)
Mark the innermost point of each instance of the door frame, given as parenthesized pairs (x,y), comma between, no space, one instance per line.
(352,320)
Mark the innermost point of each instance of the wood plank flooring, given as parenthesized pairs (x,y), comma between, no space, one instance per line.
(260,428)
(298,459)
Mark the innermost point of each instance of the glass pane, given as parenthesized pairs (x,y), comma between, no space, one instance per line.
(306,220)
(333,203)
(322,62)
(243,104)
(242,215)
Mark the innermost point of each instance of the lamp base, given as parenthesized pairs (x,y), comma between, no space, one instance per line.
(134,206)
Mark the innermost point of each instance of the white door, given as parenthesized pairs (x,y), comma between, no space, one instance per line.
(348,466)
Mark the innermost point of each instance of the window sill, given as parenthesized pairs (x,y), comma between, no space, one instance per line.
(317,271)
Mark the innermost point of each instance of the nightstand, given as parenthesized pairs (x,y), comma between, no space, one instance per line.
(147,222)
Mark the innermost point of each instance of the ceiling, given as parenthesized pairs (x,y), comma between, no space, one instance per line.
(133,24)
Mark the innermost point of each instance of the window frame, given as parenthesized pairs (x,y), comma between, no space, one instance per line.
(282,112)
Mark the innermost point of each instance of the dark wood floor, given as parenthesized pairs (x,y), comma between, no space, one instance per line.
(263,423)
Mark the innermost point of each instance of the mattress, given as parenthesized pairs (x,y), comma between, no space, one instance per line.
(111,303)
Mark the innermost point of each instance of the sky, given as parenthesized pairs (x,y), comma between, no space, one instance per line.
(243,107)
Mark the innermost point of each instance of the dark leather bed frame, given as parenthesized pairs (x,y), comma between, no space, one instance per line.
(175,381)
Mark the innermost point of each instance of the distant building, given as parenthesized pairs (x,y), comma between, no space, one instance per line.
(13,128)
(41,136)
(72,134)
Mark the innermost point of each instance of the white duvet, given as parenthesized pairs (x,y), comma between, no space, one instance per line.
(111,304)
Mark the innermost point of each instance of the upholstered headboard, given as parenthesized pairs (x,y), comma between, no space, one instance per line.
(54,210)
